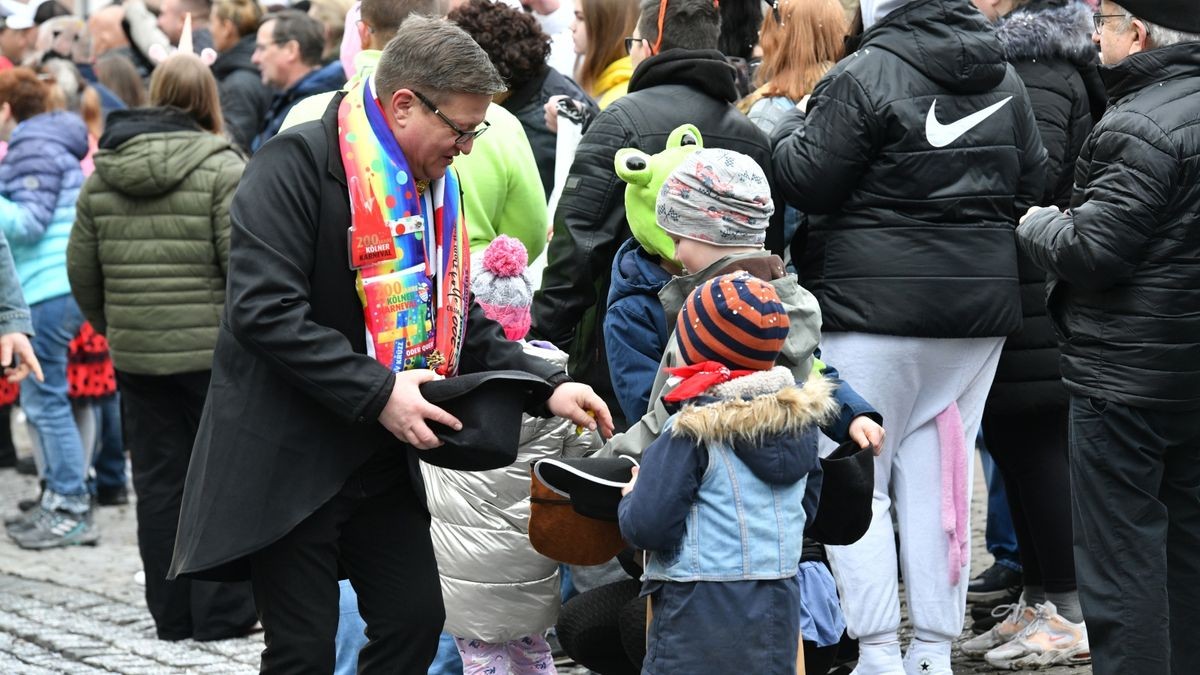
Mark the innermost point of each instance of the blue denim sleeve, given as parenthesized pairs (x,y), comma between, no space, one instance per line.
(14,313)
(653,516)
(850,405)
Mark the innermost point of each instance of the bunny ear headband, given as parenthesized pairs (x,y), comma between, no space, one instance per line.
(158,53)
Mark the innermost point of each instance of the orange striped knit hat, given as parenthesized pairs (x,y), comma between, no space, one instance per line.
(736,320)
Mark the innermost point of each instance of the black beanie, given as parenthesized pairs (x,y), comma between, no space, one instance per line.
(1181,15)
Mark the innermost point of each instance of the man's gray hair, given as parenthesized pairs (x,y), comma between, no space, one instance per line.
(1158,36)
(436,58)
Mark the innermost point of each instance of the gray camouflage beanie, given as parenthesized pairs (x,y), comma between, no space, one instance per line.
(719,197)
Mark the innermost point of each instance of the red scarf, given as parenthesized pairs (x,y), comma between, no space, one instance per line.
(699,377)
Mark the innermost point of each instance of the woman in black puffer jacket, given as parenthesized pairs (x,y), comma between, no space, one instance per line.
(1049,44)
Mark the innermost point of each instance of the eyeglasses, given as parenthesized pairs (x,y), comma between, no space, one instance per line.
(463,136)
(1098,19)
(630,41)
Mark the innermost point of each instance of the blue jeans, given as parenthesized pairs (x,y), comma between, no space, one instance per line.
(999,535)
(110,454)
(351,638)
(55,324)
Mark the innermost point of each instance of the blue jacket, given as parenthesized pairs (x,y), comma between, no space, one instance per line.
(40,179)
(717,507)
(636,334)
(14,313)
(329,77)
(635,328)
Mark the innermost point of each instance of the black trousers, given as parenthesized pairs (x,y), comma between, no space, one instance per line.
(1030,450)
(1135,476)
(375,531)
(159,416)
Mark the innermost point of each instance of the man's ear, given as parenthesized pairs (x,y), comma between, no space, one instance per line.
(293,49)
(1141,37)
(400,107)
(364,34)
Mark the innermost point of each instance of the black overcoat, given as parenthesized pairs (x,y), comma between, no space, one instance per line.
(294,402)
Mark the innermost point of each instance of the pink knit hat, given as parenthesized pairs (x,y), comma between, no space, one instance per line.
(503,288)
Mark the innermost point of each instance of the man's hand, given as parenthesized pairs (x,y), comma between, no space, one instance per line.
(867,433)
(629,486)
(407,412)
(1032,210)
(551,112)
(573,401)
(18,344)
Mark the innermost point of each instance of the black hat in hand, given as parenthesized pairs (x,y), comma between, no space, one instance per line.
(490,406)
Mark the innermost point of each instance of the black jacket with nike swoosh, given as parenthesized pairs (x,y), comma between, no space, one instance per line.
(916,156)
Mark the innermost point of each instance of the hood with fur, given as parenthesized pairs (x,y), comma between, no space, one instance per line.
(762,417)
(1053,29)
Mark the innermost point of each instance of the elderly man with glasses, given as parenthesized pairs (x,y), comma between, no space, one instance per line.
(1124,295)
(347,290)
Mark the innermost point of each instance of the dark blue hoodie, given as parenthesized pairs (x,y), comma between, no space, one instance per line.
(329,77)
(635,328)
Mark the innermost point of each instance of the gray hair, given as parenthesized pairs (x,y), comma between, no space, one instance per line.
(435,57)
(1158,35)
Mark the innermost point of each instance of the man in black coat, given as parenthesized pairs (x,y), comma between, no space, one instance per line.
(679,78)
(304,468)
(915,157)
(1124,296)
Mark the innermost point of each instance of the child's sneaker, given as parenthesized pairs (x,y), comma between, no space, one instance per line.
(1048,640)
(1016,617)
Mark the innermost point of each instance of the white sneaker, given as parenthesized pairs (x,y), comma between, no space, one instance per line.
(1048,640)
(879,659)
(927,658)
(1019,615)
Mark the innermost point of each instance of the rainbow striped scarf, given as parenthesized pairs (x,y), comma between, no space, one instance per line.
(413,269)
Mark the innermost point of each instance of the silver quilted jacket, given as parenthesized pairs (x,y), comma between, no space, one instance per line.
(495,586)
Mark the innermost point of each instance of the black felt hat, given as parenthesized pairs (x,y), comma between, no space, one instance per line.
(490,406)
(1180,15)
(593,484)
(847,489)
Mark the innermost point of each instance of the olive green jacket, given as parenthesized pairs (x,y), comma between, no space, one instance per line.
(148,253)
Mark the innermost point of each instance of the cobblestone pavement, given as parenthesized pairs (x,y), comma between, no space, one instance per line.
(79,610)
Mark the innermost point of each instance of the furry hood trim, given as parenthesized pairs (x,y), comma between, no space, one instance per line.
(735,419)
(1048,30)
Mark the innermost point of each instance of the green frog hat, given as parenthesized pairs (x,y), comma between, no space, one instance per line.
(645,175)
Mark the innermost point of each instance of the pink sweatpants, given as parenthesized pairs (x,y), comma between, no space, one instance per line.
(529,655)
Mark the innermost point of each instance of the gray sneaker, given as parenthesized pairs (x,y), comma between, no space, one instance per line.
(22,521)
(52,529)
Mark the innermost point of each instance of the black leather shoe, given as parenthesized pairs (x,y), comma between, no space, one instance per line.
(994,584)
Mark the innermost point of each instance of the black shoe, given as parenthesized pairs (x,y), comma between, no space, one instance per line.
(993,585)
(117,496)
(26,466)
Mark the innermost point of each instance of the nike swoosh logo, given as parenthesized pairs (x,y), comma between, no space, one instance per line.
(940,135)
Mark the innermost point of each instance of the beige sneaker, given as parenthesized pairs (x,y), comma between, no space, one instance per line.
(1049,640)
(1019,616)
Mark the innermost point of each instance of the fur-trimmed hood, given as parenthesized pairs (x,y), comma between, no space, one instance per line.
(765,418)
(1048,29)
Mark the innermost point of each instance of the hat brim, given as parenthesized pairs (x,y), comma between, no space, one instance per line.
(593,484)
(490,406)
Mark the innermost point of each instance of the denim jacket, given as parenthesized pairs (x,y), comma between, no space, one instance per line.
(14,313)
(719,495)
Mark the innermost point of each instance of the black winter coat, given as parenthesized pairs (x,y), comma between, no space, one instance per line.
(527,104)
(1049,43)
(1124,289)
(676,87)
(244,98)
(915,158)
(294,401)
